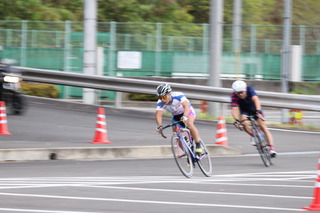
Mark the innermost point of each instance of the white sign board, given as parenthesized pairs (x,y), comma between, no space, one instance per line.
(296,63)
(129,60)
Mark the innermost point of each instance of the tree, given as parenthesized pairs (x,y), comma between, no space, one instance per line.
(259,12)
(34,10)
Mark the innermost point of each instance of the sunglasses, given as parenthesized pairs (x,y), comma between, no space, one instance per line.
(239,93)
(162,97)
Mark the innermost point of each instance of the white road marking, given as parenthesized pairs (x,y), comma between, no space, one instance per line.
(150,202)
(200,192)
(297,131)
(38,211)
(289,153)
(299,177)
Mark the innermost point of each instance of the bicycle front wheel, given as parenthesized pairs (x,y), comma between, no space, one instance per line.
(182,156)
(263,149)
(204,161)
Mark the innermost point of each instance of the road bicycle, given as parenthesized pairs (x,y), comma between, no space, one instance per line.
(183,149)
(260,141)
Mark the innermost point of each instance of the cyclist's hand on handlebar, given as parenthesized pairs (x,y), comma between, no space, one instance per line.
(184,118)
(159,128)
(238,124)
(260,114)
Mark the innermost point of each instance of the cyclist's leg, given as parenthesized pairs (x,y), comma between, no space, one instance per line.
(245,123)
(268,136)
(194,132)
(266,131)
(193,129)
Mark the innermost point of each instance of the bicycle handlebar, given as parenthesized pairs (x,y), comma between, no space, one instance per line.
(249,118)
(170,125)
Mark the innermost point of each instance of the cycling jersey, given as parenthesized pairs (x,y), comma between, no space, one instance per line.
(245,105)
(175,107)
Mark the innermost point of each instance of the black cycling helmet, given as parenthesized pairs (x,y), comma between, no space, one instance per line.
(163,89)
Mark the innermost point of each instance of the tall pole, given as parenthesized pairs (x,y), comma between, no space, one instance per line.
(286,53)
(90,47)
(237,21)
(236,33)
(216,24)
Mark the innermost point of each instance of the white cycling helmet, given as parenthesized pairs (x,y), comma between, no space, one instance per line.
(163,89)
(239,86)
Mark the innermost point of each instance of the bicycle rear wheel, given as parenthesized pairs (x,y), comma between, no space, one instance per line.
(182,156)
(263,149)
(204,161)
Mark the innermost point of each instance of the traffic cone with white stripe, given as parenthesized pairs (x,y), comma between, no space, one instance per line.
(101,128)
(315,205)
(221,136)
(3,119)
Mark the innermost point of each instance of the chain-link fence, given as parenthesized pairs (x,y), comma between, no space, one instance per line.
(164,49)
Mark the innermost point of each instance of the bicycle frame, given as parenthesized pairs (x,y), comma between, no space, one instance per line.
(260,142)
(257,132)
(178,129)
(183,148)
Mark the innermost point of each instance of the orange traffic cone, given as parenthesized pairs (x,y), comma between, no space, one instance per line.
(221,136)
(101,128)
(315,206)
(3,119)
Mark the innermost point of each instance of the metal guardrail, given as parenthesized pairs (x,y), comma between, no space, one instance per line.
(196,92)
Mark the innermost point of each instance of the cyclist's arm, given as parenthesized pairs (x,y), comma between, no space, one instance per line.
(256,101)
(235,113)
(186,107)
(159,117)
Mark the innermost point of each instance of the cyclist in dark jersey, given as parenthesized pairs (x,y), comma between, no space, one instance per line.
(244,102)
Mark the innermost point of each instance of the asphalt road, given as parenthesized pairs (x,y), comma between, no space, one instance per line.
(240,184)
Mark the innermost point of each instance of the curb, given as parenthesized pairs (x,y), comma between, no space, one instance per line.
(102,153)
(96,153)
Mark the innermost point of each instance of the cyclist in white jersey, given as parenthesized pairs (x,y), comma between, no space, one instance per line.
(180,108)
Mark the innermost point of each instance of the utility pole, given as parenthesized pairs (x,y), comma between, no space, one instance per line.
(90,47)
(216,24)
(237,21)
(286,51)
(236,34)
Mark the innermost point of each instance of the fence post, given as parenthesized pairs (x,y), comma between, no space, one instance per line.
(23,47)
(205,36)
(253,40)
(302,34)
(158,49)
(112,47)
(67,54)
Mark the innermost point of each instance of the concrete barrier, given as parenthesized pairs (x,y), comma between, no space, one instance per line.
(102,153)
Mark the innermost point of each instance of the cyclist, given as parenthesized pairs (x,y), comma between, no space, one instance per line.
(180,108)
(245,100)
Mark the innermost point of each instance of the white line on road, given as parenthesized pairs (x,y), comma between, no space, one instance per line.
(149,202)
(38,211)
(200,192)
(289,153)
(297,131)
